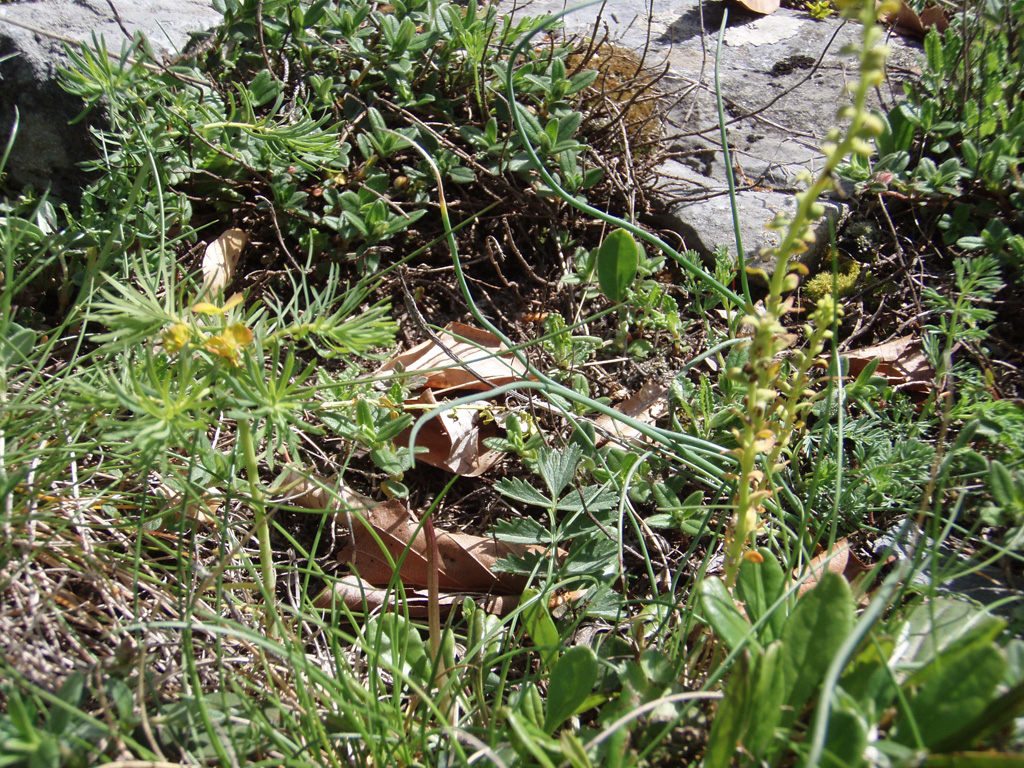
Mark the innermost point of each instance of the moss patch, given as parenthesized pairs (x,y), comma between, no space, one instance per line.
(821,284)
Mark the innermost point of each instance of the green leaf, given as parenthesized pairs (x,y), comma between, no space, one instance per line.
(531,739)
(732,716)
(720,610)
(617,262)
(263,88)
(530,705)
(943,623)
(23,716)
(558,467)
(759,585)
(540,627)
(767,694)
(847,739)
(1000,482)
(813,633)
(959,686)
(15,345)
(71,694)
(521,491)
(398,647)
(572,680)
(46,754)
(573,751)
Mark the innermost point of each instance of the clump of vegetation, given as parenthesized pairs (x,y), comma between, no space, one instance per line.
(840,284)
(954,143)
(192,478)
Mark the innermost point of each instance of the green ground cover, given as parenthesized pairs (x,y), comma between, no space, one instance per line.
(772,567)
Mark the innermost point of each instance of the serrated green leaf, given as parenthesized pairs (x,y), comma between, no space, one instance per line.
(617,261)
(521,491)
(558,467)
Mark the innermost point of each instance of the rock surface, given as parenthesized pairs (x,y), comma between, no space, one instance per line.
(33,33)
(782,77)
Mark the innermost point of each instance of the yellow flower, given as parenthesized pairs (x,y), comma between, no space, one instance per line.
(229,343)
(175,338)
(206,308)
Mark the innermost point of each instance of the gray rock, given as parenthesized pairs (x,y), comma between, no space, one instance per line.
(953,573)
(706,221)
(33,34)
(779,103)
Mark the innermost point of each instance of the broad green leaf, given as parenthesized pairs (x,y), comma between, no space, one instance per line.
(767,695)
(398,646)
(573,750)
(16,345)
(846,741)
(530,705)
(389,461)
(933,627)
(868,680)
(71,694)
(959,686)
(720,610)
(617,262)
(732,717)
(540,627)
(999,714)
(572,680)
(759,585)
(530,739)
(974,760)
(813,633)
(1000,482)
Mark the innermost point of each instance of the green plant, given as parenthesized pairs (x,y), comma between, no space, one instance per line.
(956,139)
(843,283)
(1007,505)
(820,9)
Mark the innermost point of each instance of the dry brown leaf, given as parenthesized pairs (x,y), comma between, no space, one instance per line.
(764,7)
(840,561)
(201,511)
(647,405)
(309,490)
(220,260)
(465,561)
(481,353)
(454,440)
(906,21)
(360,596)
(902,363)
